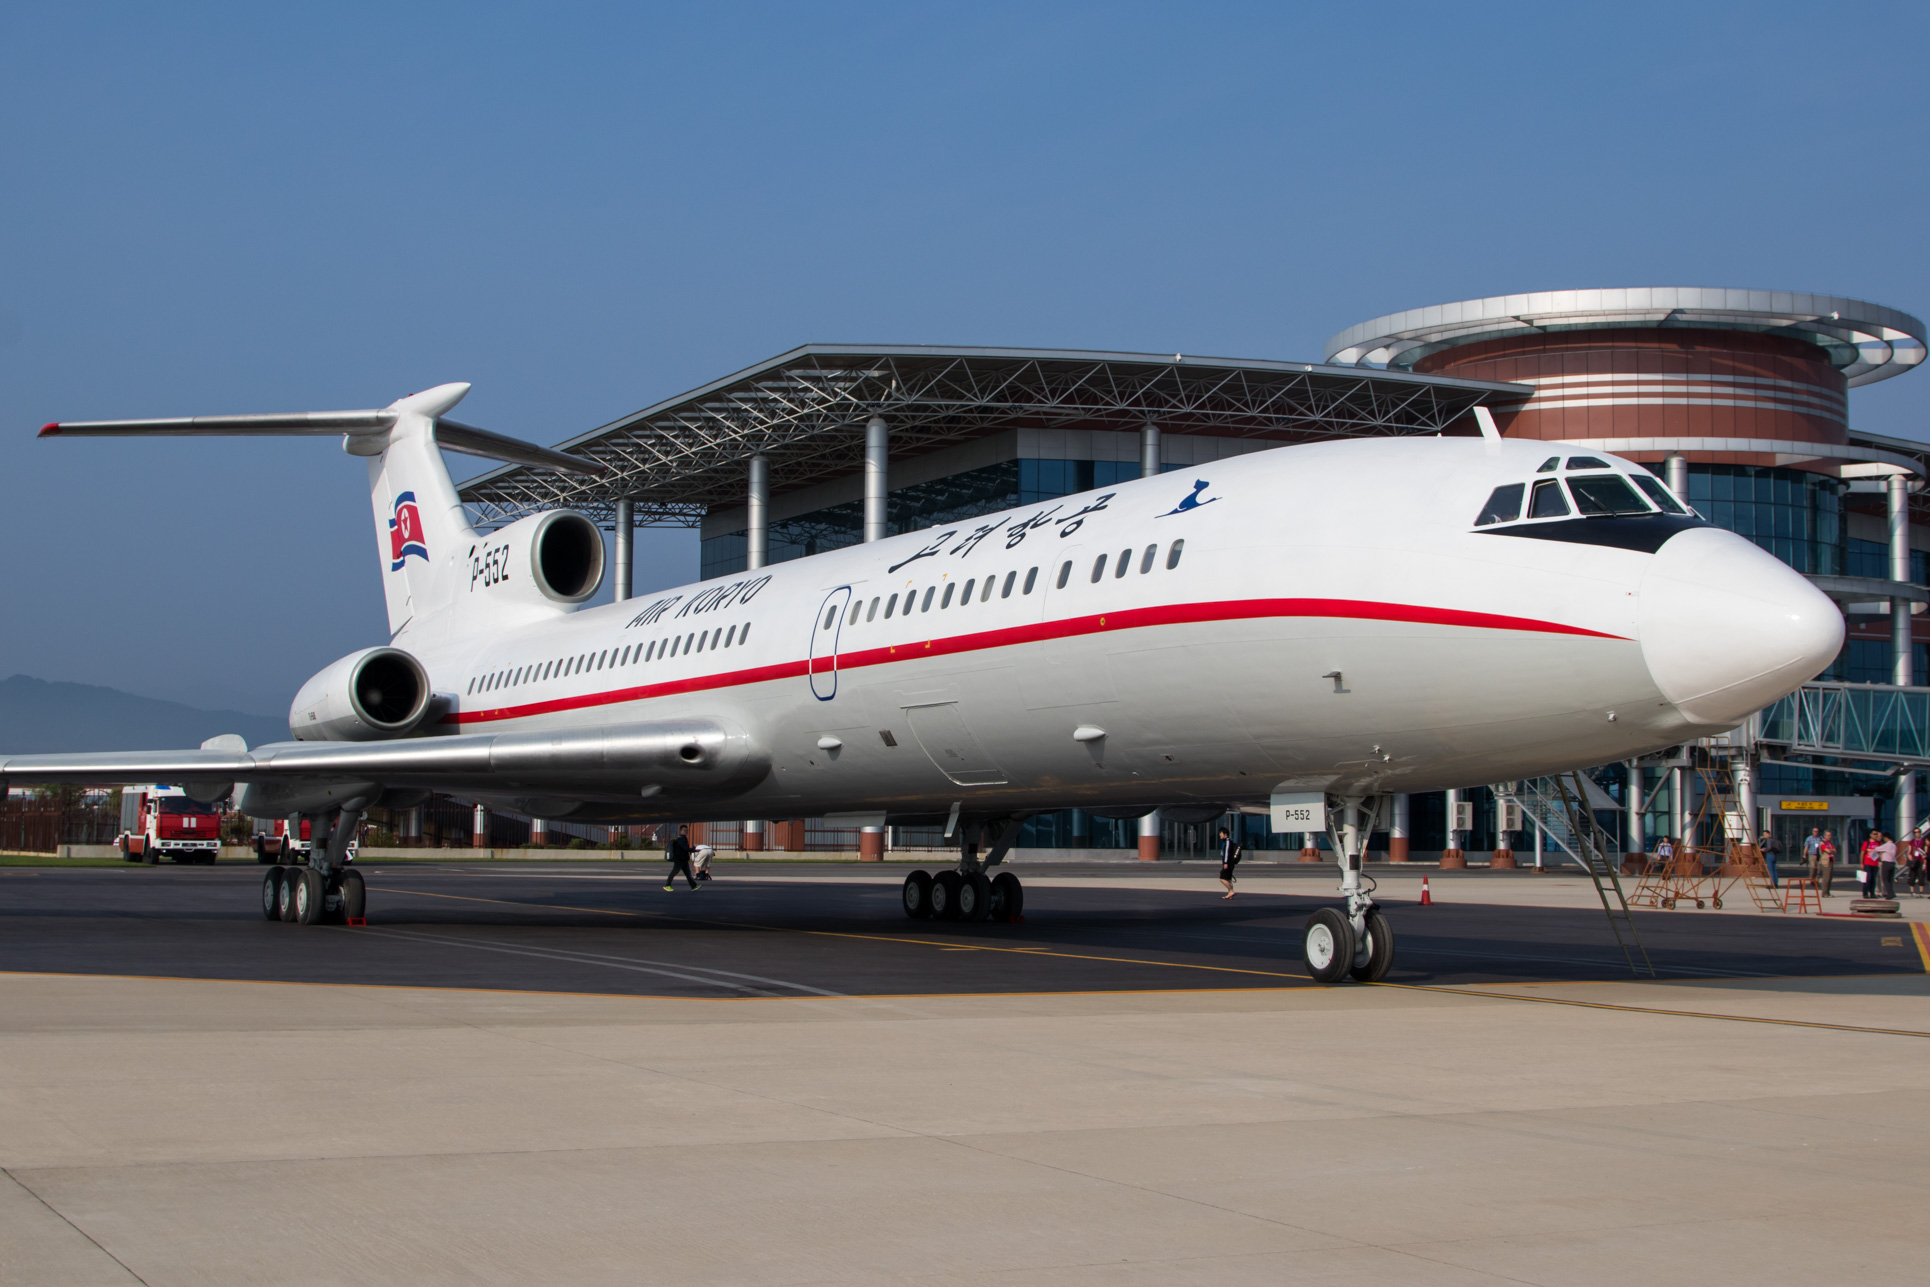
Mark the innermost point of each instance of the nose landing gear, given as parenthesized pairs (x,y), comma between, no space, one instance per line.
(1358,942)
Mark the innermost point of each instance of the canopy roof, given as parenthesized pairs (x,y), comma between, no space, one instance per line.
(806,410)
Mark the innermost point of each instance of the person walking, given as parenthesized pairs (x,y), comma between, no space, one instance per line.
(1230,853)
(1916,876)
(1768,848)
(1812,849)
(1885,875)
(678,854)
(1826,863)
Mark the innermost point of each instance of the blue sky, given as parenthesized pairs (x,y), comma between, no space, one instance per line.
(583,209)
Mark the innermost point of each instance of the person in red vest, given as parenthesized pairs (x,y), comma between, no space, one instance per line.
(1866,873)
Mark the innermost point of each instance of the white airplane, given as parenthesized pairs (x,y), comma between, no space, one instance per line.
(1304,630)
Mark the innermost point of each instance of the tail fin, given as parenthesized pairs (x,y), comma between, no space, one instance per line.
(421,530)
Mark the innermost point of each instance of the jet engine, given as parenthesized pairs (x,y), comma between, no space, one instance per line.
(366,696)
(548,560)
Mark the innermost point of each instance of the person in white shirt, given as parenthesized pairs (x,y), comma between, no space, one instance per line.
(1885,870)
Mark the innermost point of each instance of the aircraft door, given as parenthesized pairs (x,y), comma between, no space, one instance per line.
(825,629)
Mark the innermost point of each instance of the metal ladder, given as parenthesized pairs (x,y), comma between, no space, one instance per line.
(1559,806)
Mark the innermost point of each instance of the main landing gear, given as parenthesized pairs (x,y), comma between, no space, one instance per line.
(325,892)
(1357,942)
(967,893)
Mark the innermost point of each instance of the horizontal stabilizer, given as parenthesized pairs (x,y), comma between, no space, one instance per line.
(367,434)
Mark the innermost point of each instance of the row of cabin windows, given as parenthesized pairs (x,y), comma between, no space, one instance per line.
(924,603)
(696,641)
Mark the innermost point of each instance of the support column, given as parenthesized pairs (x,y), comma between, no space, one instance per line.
(1679,805)
(1149,837)
(1309,851)
(1149,450)
(1453,858)
(1400,820)
(1745,777)
(1900,659)
(1675,472)
(757,510)
(754,836)
(412,826)
(871,844)
(479,828)
(626,549)
(1504,854)
(1634,843)
(539,832)
(877,448)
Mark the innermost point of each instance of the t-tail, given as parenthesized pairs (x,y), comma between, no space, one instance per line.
(433,560)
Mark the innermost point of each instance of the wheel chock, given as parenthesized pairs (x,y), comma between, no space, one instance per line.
(358,920)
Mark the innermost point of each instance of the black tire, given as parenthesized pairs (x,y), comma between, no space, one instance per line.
(974,898)
(1008,897)
(1380,951)
(262,855)
(917,895)
(355,896)
(944,896)
(309,900)
(286,903)
(1328,947)
(271,893)
(151,856)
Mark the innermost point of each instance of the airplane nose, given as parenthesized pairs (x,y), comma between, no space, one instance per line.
(1727,628)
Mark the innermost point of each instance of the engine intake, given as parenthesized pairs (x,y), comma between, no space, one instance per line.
(566,556)
(368,695)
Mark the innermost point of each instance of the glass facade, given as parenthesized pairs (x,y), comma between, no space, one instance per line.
(1872,558)
(909,509)
(1795,515)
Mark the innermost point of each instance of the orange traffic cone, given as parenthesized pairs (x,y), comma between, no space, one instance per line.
(1427,899)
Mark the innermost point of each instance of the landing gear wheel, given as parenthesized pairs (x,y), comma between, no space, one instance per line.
(945,896)
(1328,946)
(308,898)
(285,893)
(271,893)
(1379,954)
(917,895)
(974,898)
(1008,898)
(355,897)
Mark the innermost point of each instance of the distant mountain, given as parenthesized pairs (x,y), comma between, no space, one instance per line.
(39,717)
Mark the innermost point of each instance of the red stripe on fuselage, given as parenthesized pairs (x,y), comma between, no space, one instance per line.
(1036,631)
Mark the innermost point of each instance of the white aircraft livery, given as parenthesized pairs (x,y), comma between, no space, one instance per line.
(1328,623)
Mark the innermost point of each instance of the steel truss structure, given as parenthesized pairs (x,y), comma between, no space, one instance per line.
(806,412)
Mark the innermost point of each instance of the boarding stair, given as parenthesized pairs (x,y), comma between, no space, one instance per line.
(1562,806)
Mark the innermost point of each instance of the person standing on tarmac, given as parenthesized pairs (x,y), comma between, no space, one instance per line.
(1919,847)
(1884,877)
(1826,863)
(1812,849)
(1768,848)
(678,854)
(1230,852)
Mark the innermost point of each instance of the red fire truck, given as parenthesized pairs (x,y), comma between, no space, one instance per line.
(277,846)
(161,822)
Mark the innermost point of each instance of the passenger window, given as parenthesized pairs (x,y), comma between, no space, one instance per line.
(1604,495)
(1504,505)
(925,604)
(1659,494)
(601,658)
(744,635)
(1065,573)
(1010,577)
(687,640)
(1548,465)
(1586,462)
(1146,560)
(890,605)
(1125,563)
(985,595)
(871,613)
(702,639)
(472,689)
(730,636)
(966,597)
(1548,501)
(946,602)
(650,653)
(830,616)
(1098,568)
(1031,579)
(856,607)
(1172,554)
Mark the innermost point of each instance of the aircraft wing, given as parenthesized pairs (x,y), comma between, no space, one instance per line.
(681,758)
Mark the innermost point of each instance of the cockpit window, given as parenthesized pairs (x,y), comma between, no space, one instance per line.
(1600,495)
(1548,501)
(1504,505)
(1586,462)
(1548,465)
(1659,494)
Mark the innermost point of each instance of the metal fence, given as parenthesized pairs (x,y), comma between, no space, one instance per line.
(43,823)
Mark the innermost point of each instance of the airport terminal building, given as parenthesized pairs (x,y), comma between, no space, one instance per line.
(1739,398)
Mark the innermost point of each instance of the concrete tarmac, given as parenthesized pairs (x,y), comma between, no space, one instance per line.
(572,1077)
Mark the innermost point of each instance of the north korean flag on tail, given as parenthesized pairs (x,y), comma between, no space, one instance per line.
(405,533)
